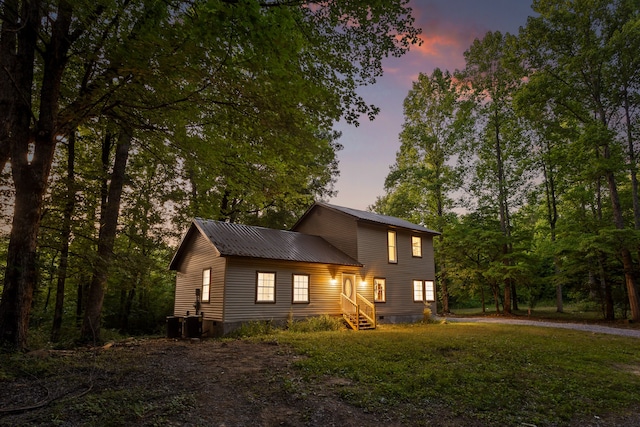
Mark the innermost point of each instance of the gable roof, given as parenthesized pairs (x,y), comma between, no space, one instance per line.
(371,217)
(231,239)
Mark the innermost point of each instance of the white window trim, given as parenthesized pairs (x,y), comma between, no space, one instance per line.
(206,285)
(418,285)
(392,248)
(293,288)
(261,285)
(429,291)
(418,246)
(377,281)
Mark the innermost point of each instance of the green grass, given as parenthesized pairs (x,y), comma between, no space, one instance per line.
(495,374)
(467,373)
(574,313)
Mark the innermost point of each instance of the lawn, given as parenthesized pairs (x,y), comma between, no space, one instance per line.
(498,374)
(436,374)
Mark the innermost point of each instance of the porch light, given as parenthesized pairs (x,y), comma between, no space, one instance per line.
(333,281)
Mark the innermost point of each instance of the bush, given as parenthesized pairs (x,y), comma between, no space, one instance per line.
(254,328)
(317,324)
(427,315)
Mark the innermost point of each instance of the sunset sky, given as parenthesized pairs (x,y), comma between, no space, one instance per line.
(448,29)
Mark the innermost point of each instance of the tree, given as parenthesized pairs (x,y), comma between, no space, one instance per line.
(569,44)
(67,63)
(500,170)
(473,244)
(419,187)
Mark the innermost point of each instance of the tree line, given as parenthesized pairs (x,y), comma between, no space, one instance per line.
(122,120)
(526,161)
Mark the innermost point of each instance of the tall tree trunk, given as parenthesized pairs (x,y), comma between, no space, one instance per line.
(31,147)
(605,289)
(627,260)
(631,152)
(552,217)
(108,226)
(495,289)
(444,290)
(65,235)
(126,308)
(81,293)
(504,214)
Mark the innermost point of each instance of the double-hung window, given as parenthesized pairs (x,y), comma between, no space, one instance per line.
(416,246)
(418,295)
(379,289)
(300,288)
(392,247)
(424,290)
(429,290)
(206,284)
(266,287)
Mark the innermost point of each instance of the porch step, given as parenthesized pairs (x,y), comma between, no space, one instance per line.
(363,323)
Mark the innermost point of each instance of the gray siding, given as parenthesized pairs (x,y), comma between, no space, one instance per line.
(372,244)
(336,228)
(240,302)
(199,255)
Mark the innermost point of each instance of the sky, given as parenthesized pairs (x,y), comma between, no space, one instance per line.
(448,29)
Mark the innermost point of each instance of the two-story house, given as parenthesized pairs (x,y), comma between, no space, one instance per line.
(366,267)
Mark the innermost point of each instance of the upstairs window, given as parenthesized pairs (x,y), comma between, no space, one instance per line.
(300,288)
(206,284)
(416,246)
(392,249)
(266,287)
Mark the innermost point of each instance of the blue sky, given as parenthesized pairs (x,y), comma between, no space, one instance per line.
(448,29)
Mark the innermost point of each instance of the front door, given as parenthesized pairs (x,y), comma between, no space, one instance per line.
(349,286)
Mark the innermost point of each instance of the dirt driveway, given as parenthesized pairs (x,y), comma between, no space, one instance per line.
(585,327)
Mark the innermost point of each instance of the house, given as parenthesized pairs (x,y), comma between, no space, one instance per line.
(366,267)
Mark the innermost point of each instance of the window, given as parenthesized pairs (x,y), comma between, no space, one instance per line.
(424,290)
(417,290)
(266,287)
(391,242)
(416,246)
(300,288)
(429,291)
(379,290)
(206,284)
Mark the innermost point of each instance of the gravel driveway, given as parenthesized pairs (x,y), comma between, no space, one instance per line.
(576,326)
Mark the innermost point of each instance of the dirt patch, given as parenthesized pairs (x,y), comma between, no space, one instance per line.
(212,383)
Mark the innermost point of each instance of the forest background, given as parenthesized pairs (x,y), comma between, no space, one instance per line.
(124,120)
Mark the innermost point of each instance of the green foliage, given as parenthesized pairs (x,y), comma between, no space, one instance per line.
(317,324)
(254,328)
(133,406)
(475,374)
(489,374)
(231,107)
(309,324)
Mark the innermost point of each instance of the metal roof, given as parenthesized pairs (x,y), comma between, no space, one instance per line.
(258,242)
(377,218)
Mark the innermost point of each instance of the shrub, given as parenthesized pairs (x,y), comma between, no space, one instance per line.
(317,324)
(426,315)
(254,328)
